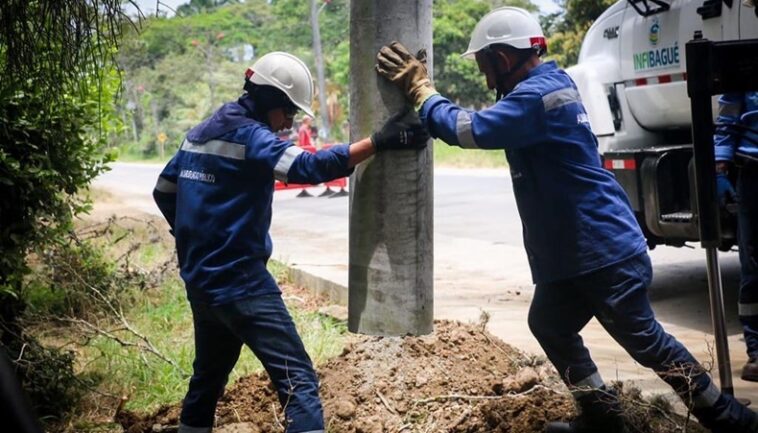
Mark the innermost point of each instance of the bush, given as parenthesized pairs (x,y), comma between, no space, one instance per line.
(46,155)
(57,86)
(72,280)
(47,376)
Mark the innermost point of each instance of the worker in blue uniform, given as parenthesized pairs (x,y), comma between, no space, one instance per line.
(736,151)
(216,195)
(586,251)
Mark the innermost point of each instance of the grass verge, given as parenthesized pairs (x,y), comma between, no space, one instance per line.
(142,358)
(166,320)
(455,157)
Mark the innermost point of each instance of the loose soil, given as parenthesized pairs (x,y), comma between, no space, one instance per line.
(460,379)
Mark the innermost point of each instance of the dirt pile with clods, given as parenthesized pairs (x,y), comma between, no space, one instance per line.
(460,379)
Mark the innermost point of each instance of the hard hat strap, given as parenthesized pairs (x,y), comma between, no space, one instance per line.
(500,75)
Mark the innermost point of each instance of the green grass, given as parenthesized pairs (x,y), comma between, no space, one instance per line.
(134,152)
(166,320)
(136,157)
(156,308)
(160,313)
(455,157)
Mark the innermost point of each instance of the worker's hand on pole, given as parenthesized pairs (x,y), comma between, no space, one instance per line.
(406,71)
(404,130)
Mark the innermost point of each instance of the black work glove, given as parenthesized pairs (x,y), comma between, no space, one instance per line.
(401,131)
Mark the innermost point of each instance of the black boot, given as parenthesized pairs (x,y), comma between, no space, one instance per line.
(750,370)
(727,415)
(599,412)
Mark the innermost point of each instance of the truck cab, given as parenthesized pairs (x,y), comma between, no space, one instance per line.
(631,75)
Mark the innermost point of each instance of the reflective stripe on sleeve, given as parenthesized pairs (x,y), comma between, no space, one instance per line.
(285,162)
(746,310)
(463,130)
(164,185)
(221,148)
(587,385)
(730,110)
(707,398)
(559,98)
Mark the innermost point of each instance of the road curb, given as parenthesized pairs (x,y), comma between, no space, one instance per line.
(334,292)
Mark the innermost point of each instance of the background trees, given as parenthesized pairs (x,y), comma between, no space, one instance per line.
(178,70)
(566,29)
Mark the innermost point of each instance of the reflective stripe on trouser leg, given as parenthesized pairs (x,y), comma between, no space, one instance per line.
(722,412)
(707,397)
(187,429)
(747,310)
(587,385)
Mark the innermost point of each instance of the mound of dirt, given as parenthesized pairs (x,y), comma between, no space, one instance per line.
(460,379)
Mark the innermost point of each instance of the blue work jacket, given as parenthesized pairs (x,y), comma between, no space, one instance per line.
(740,109)
(575,216)
(216,194)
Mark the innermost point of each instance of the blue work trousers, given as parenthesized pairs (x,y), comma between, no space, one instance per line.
(617,297)
(747,240)
(263,324)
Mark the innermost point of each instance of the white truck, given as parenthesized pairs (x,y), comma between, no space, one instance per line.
(631,76)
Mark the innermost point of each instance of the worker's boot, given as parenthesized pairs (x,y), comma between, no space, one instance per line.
(750,370)
(727,415)
(599,412)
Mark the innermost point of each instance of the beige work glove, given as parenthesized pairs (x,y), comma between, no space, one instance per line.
(407,72)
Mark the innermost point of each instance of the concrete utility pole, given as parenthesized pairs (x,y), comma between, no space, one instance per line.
(391,248)
(319,57)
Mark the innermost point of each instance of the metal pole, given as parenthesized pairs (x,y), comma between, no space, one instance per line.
(391,261)
(699,85)
(719,322)
(319,57)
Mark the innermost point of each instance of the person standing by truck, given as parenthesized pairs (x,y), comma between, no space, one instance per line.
(586,251)
(216,195)
(736,151)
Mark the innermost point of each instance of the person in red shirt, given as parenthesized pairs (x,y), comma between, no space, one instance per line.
(304,132)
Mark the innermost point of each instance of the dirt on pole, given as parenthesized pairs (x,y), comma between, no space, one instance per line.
(391,200)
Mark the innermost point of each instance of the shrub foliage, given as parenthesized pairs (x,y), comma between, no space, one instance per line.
(56,84)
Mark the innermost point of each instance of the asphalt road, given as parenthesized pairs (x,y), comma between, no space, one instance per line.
(480,264)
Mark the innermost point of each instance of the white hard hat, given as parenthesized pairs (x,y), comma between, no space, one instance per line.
(288,74)
(507,25)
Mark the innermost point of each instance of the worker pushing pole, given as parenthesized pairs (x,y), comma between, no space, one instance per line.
(391,261)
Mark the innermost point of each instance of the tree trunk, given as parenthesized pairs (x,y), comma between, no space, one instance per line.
(319,58)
